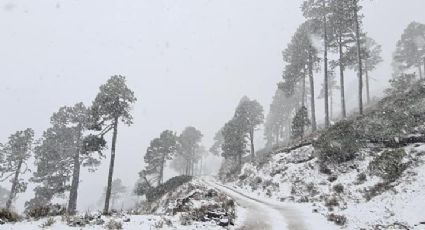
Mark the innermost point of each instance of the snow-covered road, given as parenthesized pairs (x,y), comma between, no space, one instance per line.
(261,214)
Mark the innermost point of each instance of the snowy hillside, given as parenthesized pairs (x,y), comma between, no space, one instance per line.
(346,192)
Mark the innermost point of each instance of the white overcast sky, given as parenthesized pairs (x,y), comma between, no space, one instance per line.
(188,62)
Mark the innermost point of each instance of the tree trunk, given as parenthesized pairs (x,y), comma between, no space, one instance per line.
(331,97)
(359,57)
(111,167)
(325,61)
(240,162)
(15,181)
(161,172)
(251,139)
(277,136)
(312,104)
(367,86)
(420,71)
(201,167)
(424,64)
(73,194)
(191,168)
(303,93)
(341,79)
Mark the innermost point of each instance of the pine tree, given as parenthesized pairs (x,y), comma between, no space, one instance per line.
(410,51)
(319,10)
(111,105)
(218,142)
(15,154)
(118,189)
(158,153)
(301,61)
(332,86)
(54,162)
(189,149)
(251,113)
(234,146)
(341,38)
(63,150)
(371,56)
(278,122)
(299,123)
(144,184)
(357,21)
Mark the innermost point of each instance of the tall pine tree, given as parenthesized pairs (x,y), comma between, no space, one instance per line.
(158,153)
(64,148)
(112,105)
(319,10)
(410,50)
(251,113)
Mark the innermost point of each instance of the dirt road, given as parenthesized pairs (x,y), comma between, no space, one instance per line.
(265,215)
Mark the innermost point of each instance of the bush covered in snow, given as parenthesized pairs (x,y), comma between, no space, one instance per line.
(389,165)
(339,143)
(113,225)
(337,219)
(157,192)
(8,216)
(45,211)
(49,222)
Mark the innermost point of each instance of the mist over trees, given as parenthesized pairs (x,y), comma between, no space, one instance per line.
(189,151)
(278,121)
(326,47)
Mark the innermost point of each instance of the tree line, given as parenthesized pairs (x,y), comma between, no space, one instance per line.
(337,25)
(333,28)
(184,152)
(75,139)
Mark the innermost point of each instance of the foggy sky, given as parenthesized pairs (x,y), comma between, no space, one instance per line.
(188,62)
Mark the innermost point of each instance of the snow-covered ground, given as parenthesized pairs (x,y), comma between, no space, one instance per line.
(294,177)
(287,192)
(135,222)
(186,208)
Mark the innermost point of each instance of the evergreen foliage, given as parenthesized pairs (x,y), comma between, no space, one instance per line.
(189,151)
(158,153)
(13,162)
(250,113)
(339,143)
(410,50)
(389,165)
(299,123)
(63,149)
(111,105)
